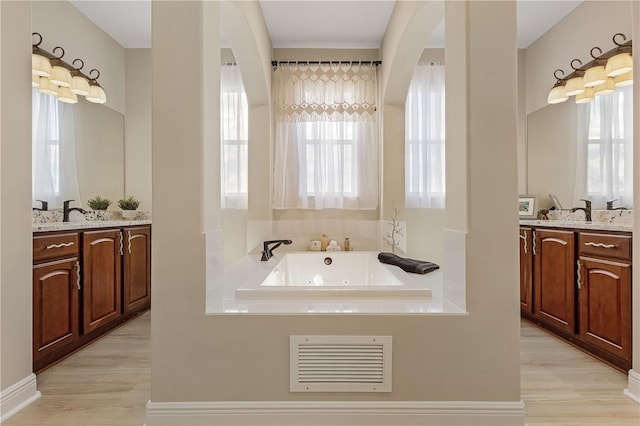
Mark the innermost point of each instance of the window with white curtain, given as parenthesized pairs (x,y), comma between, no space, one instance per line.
(425,138)
(234,118)
(53,167)
(604,168)
(326,152)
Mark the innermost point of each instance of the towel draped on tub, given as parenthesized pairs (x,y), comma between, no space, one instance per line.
(406,264)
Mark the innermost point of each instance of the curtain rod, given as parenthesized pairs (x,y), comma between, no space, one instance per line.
(276,63)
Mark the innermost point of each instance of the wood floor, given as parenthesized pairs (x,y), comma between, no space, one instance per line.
(107,383)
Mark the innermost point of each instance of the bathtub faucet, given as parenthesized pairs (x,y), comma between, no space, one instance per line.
(267,253)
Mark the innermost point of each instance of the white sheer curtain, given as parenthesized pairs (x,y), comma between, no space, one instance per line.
(425,138)
(234,117)
(604,169)
(53,168)
(326,153)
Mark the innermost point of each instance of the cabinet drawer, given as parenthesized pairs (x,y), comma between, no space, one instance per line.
(618,246)
(54,246)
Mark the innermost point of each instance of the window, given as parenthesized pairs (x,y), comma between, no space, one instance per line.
(53,168)
(326,136)
(234,134)
(605,155)
(425,138)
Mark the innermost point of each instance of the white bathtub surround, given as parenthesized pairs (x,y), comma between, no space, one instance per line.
(345,413)
(455,279)
(214,253)
(16,397)
(250,286)
(329,275)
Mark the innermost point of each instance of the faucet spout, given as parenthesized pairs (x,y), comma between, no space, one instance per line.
(586,209)
(66,210)
(267,252)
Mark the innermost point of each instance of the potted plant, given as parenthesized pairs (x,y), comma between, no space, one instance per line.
(98,203)
(128,206)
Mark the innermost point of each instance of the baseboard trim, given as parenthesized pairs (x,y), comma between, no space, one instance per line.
(344,413)
(17,396)
(633,389)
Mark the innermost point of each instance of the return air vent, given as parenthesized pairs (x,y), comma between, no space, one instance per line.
(340,363)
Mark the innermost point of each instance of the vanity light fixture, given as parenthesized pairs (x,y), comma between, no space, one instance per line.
(602,74)
(609,86)
(625,79)
(586,96)
(595,75)
(557,95)
(575,84)
(53,76)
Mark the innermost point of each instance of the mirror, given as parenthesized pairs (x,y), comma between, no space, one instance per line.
(99,152)
(552,152)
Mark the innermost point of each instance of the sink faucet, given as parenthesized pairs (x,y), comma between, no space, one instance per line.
(586,209)
(66,210)
(610,205)
(44,206)
(267,252)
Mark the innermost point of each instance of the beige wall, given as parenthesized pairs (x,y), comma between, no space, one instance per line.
(15,193)
(137,126)
(199,357)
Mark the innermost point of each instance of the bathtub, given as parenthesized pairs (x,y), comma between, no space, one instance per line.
(329,275)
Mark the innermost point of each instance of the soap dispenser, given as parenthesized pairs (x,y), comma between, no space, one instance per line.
(324,241)
(347,244)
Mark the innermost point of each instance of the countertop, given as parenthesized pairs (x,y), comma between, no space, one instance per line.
(578,224)
(72,226)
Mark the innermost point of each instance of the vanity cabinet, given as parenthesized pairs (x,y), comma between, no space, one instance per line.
(102,277)
(526,269)
(56,287)
(85,283)
(136,286)
(581,288)
(554,278)
(604,288)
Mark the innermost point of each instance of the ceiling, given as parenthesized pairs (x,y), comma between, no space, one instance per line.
(355,24)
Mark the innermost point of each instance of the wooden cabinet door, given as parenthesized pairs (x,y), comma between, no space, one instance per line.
(526,269)
(55,305)
(605,305)
(554,278)
(102,279)
(137,269)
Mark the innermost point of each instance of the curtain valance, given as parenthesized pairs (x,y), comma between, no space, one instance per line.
(306,92)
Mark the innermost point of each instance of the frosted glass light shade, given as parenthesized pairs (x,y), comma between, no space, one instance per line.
(80,85)
(605,88)
(47,87)
(35,80)
(575,86)
(60,76)
(556,95)
(595,76)
(619,64)
(625,79)
(96,95)
(586,96)
(67,96)
(40,65)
